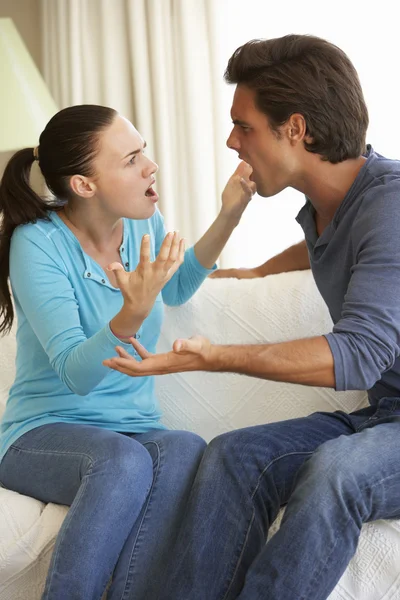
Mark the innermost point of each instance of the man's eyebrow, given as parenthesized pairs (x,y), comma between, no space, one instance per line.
(135,151)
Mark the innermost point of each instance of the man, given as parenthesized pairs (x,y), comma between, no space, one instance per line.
(300,121)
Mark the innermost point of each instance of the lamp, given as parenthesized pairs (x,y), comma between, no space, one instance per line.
(25,102)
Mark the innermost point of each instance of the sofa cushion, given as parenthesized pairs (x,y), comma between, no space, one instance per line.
(28,529)
(7,366)
(230,311)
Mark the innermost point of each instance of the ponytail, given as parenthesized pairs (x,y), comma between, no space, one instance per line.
(19,204)
(67,146)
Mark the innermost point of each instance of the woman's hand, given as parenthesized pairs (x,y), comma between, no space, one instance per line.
(194,354)
(238,191)
(141,287)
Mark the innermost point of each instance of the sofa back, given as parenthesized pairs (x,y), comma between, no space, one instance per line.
(229,311)
(256,311)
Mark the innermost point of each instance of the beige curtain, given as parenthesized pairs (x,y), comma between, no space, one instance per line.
(153,61)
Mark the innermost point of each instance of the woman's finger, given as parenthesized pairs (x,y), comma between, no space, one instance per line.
(119,272)
(141,350)
(145,250)
(249,187)
(113,363)
(243,169)
(174,251)
(165,249)
(122,352)
(182,245)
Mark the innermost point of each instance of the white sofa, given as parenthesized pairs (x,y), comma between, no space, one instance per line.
(276,308)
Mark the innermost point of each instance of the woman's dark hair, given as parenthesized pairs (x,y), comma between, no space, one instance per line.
(67,146)
(307,75)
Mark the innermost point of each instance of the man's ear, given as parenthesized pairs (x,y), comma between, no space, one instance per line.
(82,186)
(296,128)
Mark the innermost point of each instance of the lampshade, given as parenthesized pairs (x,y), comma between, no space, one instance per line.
(25,102)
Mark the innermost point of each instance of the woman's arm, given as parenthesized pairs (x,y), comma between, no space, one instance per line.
(200,259)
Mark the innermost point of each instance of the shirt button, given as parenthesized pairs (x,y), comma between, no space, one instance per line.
(103,281)
(127,264)
(122,249)
(89,274)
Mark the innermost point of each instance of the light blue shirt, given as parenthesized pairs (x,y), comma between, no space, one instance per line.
(64,302)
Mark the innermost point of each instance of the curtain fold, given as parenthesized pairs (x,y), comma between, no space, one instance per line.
(152,60)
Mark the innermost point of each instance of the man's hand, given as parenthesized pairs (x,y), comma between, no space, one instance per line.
(194,354)
(240,273)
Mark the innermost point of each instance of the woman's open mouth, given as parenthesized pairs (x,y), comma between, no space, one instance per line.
(150,193)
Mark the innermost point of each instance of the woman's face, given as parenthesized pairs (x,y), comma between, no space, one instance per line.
(124,174)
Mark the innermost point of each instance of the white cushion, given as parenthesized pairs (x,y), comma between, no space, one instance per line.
(229,311)
(7,366)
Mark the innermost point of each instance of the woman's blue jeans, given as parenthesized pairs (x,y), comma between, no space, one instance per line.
(127,494)
(333,471)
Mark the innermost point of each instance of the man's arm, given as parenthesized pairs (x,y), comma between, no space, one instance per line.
(294,258)
(306,361)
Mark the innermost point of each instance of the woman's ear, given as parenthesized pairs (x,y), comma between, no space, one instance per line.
(82,186)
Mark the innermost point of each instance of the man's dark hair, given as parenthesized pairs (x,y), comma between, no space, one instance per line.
(307,75)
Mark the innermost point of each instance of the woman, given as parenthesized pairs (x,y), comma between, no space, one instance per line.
(88,271)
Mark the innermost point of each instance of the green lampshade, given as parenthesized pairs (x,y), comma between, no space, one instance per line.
(25,102)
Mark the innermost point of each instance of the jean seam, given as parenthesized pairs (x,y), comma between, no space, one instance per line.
(323,568)
(50,452)
(128,579)
(247,533)
(70,516)
(318,575)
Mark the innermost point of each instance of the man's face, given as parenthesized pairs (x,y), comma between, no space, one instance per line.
(272,158)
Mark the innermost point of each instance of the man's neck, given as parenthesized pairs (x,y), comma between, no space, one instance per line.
(326,184)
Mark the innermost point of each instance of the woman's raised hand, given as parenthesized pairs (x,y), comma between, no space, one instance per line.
(141,287)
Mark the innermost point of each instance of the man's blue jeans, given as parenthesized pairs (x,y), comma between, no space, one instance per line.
(333,471)
(127,495)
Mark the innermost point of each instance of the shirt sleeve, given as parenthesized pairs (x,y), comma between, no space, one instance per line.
(365,342)
(41,287)
(189,277)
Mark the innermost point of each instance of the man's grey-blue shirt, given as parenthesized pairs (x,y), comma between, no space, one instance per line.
(356,266)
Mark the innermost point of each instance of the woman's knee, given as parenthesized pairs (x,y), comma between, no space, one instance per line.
(124,461)
(178,446)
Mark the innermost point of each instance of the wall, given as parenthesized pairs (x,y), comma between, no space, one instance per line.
(369,37)
(26,17)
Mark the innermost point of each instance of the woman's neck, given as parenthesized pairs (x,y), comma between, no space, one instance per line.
(93,230)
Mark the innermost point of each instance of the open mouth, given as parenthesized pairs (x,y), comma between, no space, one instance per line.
(150,192)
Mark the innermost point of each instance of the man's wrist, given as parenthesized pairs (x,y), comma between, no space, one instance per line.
(214,359)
